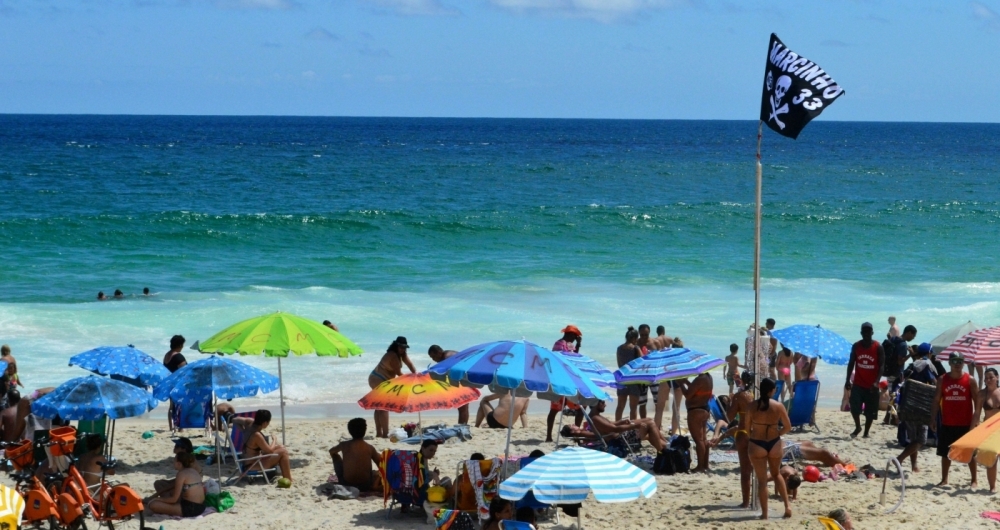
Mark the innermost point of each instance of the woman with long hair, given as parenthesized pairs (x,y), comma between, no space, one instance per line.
(768,421)
(256,445)
(989,404)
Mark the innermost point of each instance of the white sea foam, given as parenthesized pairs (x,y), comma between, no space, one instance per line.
(707,316)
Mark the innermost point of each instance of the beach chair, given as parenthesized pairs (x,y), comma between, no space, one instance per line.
(802,410)
(233,436)
(529,500)
(401,479)
(465,491)
(830,524)
(192,416)
(718,414)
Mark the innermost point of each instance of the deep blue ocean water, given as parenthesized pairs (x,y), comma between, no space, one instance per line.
(458,231)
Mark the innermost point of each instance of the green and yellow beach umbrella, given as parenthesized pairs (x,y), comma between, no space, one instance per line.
(278,335)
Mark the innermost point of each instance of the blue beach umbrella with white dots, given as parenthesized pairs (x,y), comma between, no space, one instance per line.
(127,362)
(815,341)
(195,383)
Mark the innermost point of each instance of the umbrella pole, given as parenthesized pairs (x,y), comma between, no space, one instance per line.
(599,436)
(420,426)
(756,291)
(559,430)
(510,427)
(281,396)
(215,411)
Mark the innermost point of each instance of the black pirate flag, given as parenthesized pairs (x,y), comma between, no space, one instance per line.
(796,90)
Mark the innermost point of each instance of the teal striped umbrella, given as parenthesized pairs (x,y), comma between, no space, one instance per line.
(568,475)
(666,365)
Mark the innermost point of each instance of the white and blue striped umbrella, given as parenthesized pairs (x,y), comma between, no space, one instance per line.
(596,371)
(194,383)
(567,476)
(91,397)
(814,341)
(666,365)
(521,366)
(123,361)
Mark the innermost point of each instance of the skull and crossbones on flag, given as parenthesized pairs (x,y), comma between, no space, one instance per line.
(796,90)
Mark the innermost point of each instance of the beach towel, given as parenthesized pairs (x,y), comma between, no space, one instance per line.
(485,488)
(441,433)
(453,520)
(718,457)
(400,472)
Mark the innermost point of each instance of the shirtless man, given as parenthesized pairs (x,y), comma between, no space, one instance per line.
(438,354)
(355,468)
(497,417)
(739,408)
(893,328)
(661,341)
(645,428)
(697,395)
(12,418)
(806,450)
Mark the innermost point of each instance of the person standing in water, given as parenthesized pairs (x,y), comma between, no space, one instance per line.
(391,365)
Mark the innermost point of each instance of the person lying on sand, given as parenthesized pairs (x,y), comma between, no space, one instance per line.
(498,416)
(644,428)
(842,517)
(353,459)
(806,450)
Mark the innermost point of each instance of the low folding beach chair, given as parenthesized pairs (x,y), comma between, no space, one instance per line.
(400,473)
(192,416)
(802,411)
(249,468)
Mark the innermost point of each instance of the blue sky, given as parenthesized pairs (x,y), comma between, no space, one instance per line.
(656,59)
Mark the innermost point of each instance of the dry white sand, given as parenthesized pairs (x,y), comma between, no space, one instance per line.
(682,501)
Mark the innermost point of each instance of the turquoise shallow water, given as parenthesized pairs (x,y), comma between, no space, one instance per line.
(462,231)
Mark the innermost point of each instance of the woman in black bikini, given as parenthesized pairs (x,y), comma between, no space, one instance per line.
(989,403)
(765,443)
(188,496)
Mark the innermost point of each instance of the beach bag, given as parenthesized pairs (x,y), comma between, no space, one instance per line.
(676,458)
(915,402)
(221,502)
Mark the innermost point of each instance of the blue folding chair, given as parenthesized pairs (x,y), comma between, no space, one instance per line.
(803,407)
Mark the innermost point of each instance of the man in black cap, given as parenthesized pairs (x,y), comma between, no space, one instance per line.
(391,365)
(956,399)
(866,362)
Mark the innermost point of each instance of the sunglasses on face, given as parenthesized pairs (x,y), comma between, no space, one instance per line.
(955,361)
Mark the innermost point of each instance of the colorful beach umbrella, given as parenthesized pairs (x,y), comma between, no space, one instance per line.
(666,365)
(983,442)
(417,393)
(596,371)
(91,398)
(815,341)
(522,368)
(126,362)
(948,337)
(278,335)
(981,346)
(569,475)
(197,382)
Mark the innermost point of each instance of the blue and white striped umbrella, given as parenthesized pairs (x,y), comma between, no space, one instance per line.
(194,383)
(91,397)
(568,475)
(521,366)
(666,365)
(814,341)
(596,371)
(122,361)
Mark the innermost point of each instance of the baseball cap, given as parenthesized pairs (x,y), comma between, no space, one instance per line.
(956,356)
(924,348)
(573,329)
(185,444)
(868,325)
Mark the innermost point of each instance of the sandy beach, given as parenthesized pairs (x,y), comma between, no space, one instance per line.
(682,501)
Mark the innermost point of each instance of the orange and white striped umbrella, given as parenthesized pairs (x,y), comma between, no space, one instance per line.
(981,346)
(983,443)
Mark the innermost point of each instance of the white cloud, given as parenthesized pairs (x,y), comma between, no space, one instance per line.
(321,34)
(309,75)
(989,17)
(600,10)
(414,7)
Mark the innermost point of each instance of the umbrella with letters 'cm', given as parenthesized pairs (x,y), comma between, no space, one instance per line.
(278,335)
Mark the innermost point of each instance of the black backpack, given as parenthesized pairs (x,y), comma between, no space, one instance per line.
(676,458)
(891,367)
